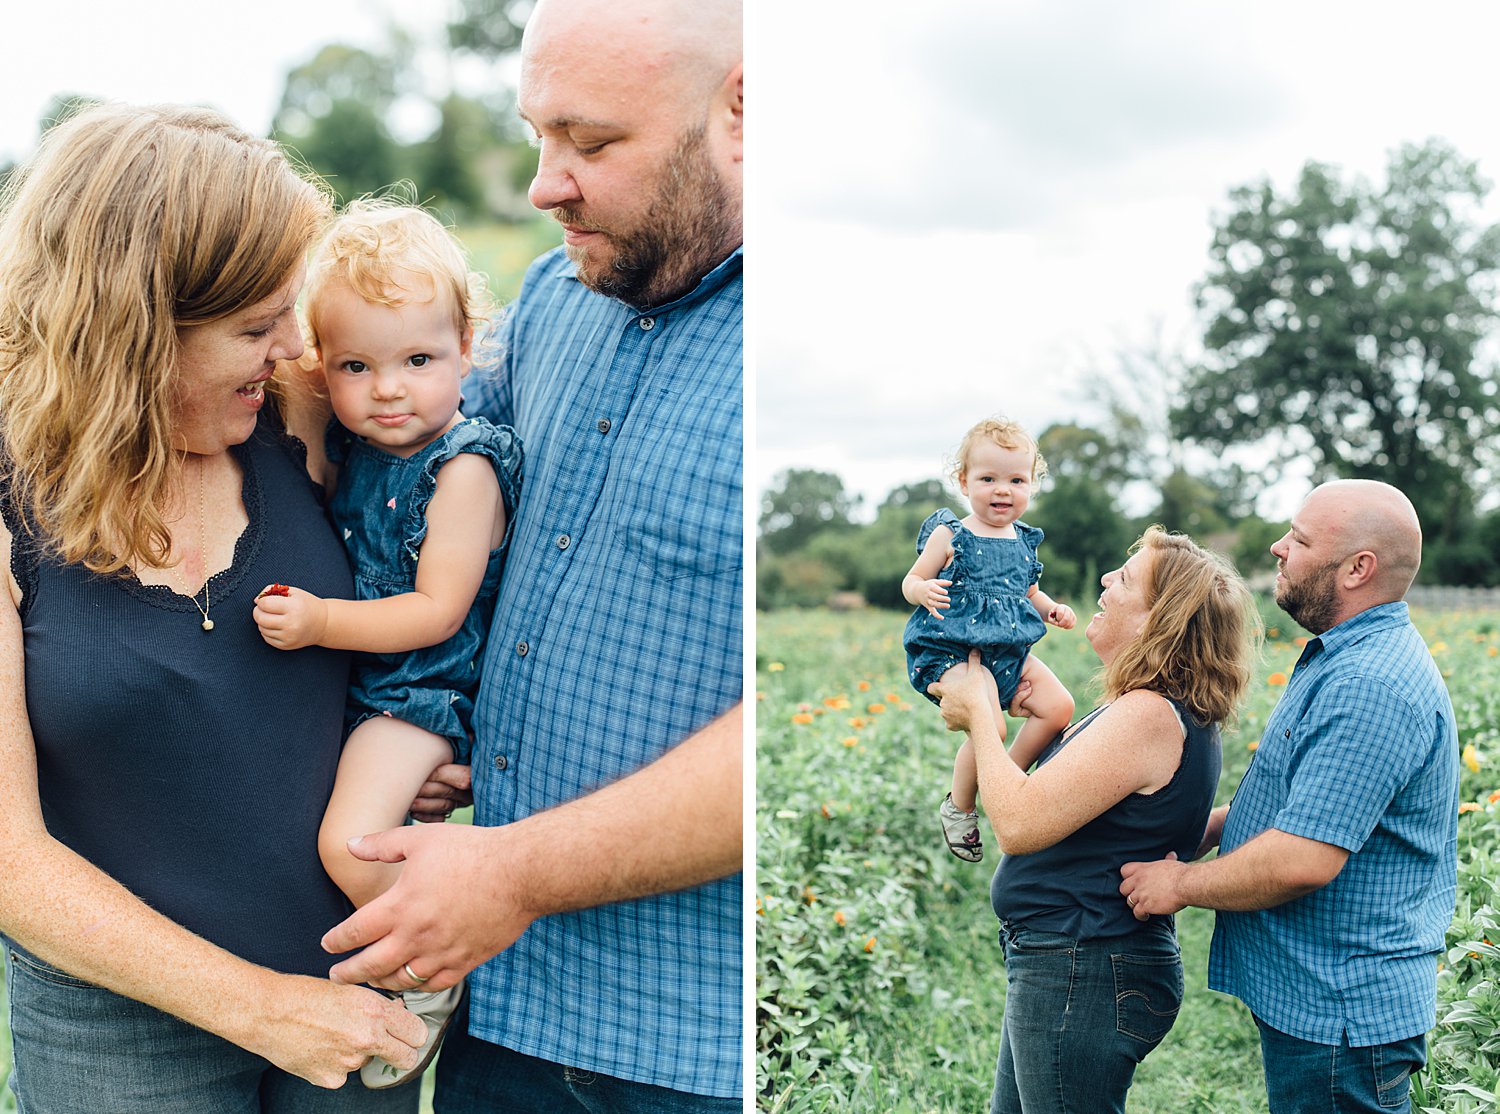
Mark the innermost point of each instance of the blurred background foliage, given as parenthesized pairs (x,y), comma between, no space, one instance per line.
(435,108)
(1348,326)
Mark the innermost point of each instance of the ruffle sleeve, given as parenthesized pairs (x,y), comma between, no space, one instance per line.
(500,444)
(941,517)
(1032,536)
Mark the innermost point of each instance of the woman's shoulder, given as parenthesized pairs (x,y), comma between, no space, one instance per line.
(1150,710)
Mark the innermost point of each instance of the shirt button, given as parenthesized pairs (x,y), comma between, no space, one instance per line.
(501,762)
(604,424)
(647,324)
(522,649)
(563,541)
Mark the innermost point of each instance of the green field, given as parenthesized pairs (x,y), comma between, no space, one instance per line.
(879,982)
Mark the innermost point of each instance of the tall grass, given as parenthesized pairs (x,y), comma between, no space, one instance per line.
(880,985)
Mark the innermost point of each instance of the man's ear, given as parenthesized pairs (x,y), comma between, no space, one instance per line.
(732,101)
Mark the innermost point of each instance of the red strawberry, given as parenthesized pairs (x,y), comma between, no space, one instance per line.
(277,590)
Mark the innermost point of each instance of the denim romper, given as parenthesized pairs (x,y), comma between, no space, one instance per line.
(987,607)
(380,511)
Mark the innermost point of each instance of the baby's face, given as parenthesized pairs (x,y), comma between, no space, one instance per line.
(393,372)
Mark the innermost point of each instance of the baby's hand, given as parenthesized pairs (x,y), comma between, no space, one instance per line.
(290,618)
(933,595)
(1062,616)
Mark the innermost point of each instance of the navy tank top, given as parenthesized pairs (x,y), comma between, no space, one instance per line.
(194,766)
(1073,887)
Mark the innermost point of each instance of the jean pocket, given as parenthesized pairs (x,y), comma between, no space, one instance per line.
(1393,1067)
(1148,994)
(30,965)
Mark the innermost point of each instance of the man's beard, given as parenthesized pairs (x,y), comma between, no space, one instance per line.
(1312,601)
(679,238)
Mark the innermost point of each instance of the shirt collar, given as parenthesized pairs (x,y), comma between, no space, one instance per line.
(727,269)
(1356,627)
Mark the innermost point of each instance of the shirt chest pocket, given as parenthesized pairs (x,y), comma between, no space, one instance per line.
(684,514)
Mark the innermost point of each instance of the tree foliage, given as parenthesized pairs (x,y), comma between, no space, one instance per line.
(803,502)
(1345,321)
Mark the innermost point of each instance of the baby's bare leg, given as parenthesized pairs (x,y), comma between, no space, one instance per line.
(965,766)
(1051,706)
(384,763)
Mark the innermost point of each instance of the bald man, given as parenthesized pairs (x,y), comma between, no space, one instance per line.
(598,887)
(1337,860)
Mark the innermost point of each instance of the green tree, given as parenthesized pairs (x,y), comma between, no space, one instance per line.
(1344,325)
(801,503)
(444,165)
(333,112)
(489,29)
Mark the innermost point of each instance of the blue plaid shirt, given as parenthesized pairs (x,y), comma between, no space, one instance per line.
(1361,753)
(617,634)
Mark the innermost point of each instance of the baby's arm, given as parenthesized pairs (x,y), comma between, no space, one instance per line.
(465,521)
(1058,614)
(918,586)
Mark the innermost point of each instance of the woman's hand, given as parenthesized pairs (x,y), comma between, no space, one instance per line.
(322,1031)
(967,694)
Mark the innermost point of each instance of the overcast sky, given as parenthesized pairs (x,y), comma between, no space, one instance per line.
(969,203)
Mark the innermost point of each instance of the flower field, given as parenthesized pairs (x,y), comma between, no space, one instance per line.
(879,982)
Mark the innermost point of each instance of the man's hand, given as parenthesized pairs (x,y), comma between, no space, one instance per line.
(1152,888)
(933,595)
(457,903)
(292,620)
(448,787)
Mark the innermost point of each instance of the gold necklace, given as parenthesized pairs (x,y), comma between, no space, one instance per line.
(208,624)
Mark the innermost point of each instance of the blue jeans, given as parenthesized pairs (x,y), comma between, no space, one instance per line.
(1307,1078)
(1080,1015)
(477,1077)
(81,1049)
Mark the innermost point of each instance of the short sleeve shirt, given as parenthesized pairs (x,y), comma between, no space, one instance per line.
(1361,753)
(617,634)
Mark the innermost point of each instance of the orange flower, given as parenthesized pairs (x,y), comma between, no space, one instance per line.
(1493,651)
(802,717)
(892,697)
(857,722)
(1300,640)
(863,686)
(760,696)
(1277,678)
(870,944)
(760,910)
(1467,806)
(824,809)
(1254,744)
(850,740)
(839,918)
(839,703)
(1495,796)
(775,667)
(808,895)
(876,709)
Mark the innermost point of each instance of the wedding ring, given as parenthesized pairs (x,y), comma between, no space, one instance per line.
(1130,901)
(416,977)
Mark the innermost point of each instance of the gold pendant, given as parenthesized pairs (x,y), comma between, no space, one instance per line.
(208,624)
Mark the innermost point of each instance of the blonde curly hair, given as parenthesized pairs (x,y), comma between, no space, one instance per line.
(1003,432)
